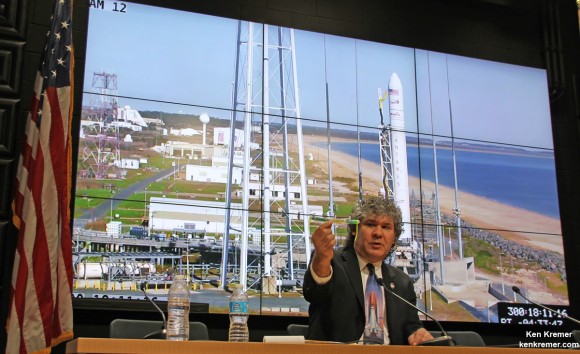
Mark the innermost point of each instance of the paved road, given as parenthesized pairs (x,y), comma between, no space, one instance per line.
(120,195)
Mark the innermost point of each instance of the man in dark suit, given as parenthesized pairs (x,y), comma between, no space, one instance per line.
(334,283)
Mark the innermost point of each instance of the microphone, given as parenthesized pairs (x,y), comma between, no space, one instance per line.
(445,340)
(518,291)
(162,333)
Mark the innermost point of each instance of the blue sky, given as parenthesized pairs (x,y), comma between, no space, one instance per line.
(167,55)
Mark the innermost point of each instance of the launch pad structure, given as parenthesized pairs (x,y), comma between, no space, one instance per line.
(266,105)
(100,136)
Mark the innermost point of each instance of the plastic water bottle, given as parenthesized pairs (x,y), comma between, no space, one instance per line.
(239,316)
(178,310)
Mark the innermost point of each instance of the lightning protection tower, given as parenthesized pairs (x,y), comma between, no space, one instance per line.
(100,133)
(266,108)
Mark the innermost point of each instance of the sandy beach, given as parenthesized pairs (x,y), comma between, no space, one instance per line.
(521,226)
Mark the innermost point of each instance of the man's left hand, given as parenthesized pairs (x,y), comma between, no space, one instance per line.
(419,336)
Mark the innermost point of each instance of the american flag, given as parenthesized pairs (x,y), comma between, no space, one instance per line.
(41,296)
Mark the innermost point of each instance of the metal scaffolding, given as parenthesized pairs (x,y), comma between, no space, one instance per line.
(266,107)
(99,135)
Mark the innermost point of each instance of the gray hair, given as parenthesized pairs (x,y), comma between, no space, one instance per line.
(374,206)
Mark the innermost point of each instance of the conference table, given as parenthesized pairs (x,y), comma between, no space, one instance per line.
(156,346)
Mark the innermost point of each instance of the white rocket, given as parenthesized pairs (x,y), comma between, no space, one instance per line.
(399,152)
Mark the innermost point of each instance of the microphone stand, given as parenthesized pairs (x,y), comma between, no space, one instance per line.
(162,333)
(444,340)
(518,291)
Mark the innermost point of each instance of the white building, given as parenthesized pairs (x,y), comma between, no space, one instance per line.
(153,121)
(184,132)
(222,161)
(130,118)
(277,191)
(168,214)
(189,150)
(114,228)
(130,164)
(221,136)
(217,172)
(212,174)
(127,125)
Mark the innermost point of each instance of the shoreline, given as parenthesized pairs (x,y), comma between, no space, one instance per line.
(540,232)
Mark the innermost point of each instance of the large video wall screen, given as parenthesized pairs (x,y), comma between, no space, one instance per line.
(211,147)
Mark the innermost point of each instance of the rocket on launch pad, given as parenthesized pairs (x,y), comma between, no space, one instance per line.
(393,152)
(399,152)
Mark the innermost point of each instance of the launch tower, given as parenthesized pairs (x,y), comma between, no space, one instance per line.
(266,106)
(99,134)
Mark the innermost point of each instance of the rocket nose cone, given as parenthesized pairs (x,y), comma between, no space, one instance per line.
(394,81)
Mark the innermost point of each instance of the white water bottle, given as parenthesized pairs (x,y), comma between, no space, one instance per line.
(178,310)
(239,316)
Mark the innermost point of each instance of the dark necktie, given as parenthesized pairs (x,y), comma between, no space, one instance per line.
(374,310)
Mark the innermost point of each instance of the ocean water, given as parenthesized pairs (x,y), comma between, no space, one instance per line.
(523,181)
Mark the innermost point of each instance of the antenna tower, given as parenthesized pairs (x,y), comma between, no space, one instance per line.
(100,133)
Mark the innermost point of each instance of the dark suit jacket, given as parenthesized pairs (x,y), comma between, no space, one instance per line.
(337,308)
